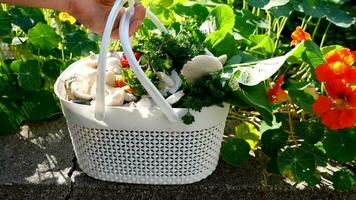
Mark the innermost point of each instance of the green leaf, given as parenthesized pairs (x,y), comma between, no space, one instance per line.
(267,4)
(43,36)
(297,165)
(248,132)
(28,74)
(224,17)
(197,11)
(236,59)
(273,140)
(256,96)
(312,54)
(262,44)
(226,46)
(338,17)
(313,8)
(277,123)
(302,100)
(235,151)
(340,145)
(311,132)
(272,166)
(319,156)
(51,68)
(282,11)
(343,180)
(39,105)
(79,44)
(10,118)
(26,17)
(327,49)
(5,21)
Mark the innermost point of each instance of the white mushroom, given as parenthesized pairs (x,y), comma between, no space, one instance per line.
(91,61)
(165,79)
(78,87)
(113,64)
(115,97)
(200,66)
(130,97)
(177,82)
(110,78)
(222,59)
(145,102)
(174,98)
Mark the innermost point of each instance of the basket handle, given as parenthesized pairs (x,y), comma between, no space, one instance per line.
(157,97)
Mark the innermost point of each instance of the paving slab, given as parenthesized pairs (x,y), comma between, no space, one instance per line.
(38,162)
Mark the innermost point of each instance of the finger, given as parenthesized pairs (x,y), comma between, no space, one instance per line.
(137,19)
(106,3)
(115,29)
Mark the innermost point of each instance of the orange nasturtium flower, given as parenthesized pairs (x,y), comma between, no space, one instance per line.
(276,94)
(299,35)
(338,66)
(64,16)
(338,109)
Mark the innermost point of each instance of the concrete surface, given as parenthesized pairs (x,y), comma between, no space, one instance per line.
(39,163)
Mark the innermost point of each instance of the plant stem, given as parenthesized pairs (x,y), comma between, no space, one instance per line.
(279,31)
(324,35)
(316,28)
(244,5)
(291,129)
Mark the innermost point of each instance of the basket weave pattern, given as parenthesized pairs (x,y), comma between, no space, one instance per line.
(149,157)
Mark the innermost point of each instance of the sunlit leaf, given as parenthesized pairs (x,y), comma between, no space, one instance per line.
(43,36)
(248,132)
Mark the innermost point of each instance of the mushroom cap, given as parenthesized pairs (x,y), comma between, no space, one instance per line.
(200,66)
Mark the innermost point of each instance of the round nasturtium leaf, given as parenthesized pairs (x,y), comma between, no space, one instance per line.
(39,105)
(79,44)
(273,140)
(29,77)
(343,180)
(248,132)
(340,145)
(311,132)
(43,36)
(320,157)
(235,151)
(296,164)
(51,68)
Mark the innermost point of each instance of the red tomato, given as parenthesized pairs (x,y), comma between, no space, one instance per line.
(120,82)
(125,63)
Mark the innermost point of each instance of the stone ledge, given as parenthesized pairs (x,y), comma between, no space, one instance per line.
(39,163)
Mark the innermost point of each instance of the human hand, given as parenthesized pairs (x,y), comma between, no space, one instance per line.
(94,13)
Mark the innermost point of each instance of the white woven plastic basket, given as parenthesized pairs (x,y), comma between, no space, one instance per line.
(130,145)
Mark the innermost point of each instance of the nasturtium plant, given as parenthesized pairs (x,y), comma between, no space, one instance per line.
(43,36)
(288,77)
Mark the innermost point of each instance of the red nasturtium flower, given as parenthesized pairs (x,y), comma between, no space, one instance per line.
(299,35)
(338,109)
(276,94)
